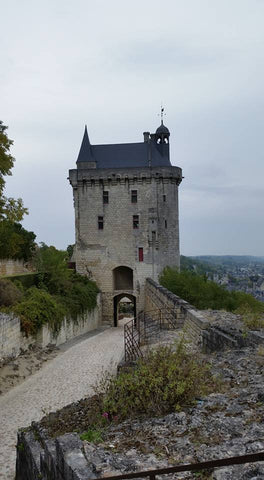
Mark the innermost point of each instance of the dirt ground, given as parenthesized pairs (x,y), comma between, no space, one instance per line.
(18,369)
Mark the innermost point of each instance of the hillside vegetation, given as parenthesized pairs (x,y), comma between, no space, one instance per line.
(203,293)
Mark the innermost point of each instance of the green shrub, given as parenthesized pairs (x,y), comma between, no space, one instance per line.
(94,436)
(59,292)
(81,295)
(10,294)
(52,265)
(39,308)
(162,382)
(202,293)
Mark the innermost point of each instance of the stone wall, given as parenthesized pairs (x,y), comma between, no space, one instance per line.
(98,251)
(198,328)
(12,267)
(13,341)
(53,459)
(185,315)
(10,336)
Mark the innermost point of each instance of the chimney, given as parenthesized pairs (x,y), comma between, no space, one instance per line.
(146,136)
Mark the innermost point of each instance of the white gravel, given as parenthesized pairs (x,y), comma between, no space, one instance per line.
(65,379)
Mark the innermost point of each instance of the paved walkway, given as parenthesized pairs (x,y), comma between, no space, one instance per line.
(65,379)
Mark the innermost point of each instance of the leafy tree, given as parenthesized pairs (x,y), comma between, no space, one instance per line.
(70,250)
(15,241)
(10,208)
(52,264)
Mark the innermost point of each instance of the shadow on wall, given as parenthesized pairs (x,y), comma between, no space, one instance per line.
(123,278)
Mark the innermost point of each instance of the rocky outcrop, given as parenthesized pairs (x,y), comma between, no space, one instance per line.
(226,423)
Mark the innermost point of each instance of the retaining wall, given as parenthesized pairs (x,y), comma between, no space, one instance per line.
(13,341)
(9,336)
(9,266)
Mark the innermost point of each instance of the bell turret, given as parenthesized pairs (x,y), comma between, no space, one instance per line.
(162,134)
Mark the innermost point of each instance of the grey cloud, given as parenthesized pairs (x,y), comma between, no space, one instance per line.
(170,55)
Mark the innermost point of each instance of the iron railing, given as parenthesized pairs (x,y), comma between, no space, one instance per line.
(193,467)
(132,340)
(145,327)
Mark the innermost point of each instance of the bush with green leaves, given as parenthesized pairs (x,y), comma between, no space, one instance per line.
(10,293)
(39,308)
(52,265)
(203,293)
(58,292)
(164,381)
(80,296)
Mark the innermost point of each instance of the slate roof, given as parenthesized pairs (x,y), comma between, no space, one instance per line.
(124,155)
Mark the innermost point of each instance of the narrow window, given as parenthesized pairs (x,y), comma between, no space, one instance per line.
(133,196)
(165,223)
(140,254)
(105,197)
(135,221)
(100,223)
(164,198)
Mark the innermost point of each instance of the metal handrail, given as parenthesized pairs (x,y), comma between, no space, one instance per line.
(192,467)
(135,331)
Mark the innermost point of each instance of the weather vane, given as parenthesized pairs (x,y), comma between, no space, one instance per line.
(161,114)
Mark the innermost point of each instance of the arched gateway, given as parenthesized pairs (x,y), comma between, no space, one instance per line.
(117,299)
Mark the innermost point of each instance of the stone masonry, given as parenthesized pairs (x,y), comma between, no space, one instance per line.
(126,216)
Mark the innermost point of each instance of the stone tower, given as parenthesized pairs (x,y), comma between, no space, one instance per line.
(126,216)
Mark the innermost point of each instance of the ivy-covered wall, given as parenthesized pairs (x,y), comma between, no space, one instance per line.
(12,340)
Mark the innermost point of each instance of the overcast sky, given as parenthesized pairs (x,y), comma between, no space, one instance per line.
(109,64)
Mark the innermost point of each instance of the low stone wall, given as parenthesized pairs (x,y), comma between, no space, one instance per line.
(9,336)
(205,334)
(55,459)
(13,341)
(12,267)
(185,315)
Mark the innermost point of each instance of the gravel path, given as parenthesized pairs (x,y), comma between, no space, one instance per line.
(65,379)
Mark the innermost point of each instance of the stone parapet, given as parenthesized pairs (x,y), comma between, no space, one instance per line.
(132,175)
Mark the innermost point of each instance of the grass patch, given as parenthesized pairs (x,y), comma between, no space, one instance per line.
(252,320)
(93,436)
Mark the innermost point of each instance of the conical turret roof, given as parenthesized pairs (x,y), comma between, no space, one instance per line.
(85,153)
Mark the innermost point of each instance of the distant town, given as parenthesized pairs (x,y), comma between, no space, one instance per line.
(241,273)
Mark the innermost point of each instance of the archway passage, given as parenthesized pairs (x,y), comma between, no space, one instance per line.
(117,299)
(123,278)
